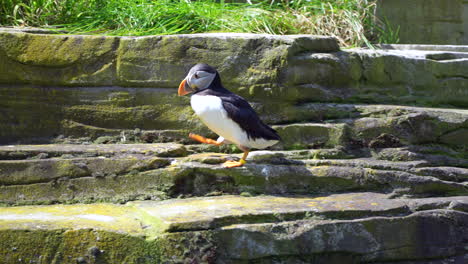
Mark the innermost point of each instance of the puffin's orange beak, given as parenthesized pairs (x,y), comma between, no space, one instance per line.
(182,91)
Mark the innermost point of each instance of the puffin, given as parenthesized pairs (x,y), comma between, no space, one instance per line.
(225,113)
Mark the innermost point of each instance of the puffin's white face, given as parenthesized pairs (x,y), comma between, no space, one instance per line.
(196,80)
(200,80)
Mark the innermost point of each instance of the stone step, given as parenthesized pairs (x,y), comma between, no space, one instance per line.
(306,68)
(127,115)
(342,227)
(104,150)
(364,125)
(426,47)
(43,174)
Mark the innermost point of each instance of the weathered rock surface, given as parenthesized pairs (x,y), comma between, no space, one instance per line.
(43,174)
(157,61)
(117,115)
(234,229)
(283,68)
(232,53)
(426,22)
(290,73)
(354,179)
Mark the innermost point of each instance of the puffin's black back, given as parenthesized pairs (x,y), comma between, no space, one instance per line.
(237,108)
(241,112)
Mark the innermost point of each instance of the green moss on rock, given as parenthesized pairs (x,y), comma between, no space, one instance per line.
(56,59)
(312,135)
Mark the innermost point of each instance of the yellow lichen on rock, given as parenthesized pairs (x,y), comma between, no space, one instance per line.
(108,217)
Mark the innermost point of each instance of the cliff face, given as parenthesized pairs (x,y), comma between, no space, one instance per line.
(426,21)
(360,175)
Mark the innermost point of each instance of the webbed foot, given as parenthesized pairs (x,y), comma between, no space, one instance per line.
(205,140)
(233,164)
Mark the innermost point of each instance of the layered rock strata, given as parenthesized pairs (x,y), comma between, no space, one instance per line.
(96,166)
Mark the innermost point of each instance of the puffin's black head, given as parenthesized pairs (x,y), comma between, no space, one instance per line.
(200,77)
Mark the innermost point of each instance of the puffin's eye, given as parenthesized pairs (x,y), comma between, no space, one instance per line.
(196,76)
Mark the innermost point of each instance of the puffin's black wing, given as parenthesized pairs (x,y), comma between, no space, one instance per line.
(239,110)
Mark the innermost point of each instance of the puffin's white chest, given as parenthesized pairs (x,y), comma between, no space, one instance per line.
(212,113)
(207,105)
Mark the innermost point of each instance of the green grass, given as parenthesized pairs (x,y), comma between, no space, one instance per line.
(350,21)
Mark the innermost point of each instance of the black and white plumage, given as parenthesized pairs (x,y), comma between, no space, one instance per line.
(225,113)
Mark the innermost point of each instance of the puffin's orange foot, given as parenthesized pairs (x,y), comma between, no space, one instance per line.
(205,140)
(233,164)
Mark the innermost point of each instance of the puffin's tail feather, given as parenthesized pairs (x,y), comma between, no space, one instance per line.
(270,133)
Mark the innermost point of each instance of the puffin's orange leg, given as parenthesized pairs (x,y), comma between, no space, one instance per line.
(241,162)
(205,140)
